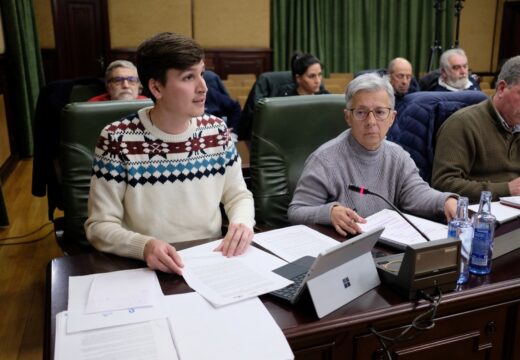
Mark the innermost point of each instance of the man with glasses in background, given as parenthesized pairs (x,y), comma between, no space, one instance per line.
(361,156)
(455,72)
(122,82)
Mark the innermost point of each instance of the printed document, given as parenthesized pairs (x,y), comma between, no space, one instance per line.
(294,242)
(122,290)
(513,201)
(222,280)
(244,330)
(149,340)
(503,213)
(398,233)
(129,306)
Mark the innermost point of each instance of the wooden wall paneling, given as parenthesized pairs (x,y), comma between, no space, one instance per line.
(221,61)
(477,25)
(82,37)
(232,23)
(121,54)
(132,21)
(510,41)
(239,61)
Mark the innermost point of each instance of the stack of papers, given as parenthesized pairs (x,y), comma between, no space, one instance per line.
(398,233)
(513,201)
(124,315)
(145,340)
(117,315)
(503,213)
(115,298)
(222,280)
(294,242)
(244,330)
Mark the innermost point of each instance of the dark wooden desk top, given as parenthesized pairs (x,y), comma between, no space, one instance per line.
(299,323)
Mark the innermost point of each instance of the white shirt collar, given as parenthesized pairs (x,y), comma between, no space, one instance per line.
(506,126)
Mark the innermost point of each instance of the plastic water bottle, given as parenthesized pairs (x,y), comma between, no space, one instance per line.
(484,231)
(461,228)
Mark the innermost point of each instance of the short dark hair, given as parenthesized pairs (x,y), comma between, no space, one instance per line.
(165,51)
(300,62)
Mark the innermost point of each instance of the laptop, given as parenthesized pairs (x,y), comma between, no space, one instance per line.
(337,276)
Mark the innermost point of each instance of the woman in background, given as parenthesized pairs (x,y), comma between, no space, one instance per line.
(307,74)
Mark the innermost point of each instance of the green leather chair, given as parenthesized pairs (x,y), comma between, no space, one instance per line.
(268,84)
(286,131)
(81,125)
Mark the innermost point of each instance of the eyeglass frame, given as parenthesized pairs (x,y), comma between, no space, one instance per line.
(121,79)
(371,111)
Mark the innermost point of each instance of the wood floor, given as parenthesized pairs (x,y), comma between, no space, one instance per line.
(22,274)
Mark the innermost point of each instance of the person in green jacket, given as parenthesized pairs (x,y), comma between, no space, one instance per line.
(478,147)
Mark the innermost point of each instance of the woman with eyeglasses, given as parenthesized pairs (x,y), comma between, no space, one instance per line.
(121,81)
(362,157)
(307,74)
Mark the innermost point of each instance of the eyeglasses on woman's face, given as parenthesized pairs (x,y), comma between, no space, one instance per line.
(379,113)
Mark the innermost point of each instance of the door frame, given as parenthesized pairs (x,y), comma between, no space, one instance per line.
(62,37)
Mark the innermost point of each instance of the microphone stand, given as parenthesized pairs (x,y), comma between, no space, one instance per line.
(436,47)
(458,10)
(362,191)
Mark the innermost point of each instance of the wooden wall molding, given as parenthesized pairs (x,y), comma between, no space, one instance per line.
(223,61)
(239,61)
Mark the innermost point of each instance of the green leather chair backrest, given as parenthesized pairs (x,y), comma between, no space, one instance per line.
(81,125)
(286,130)
(268,84)
(83,92)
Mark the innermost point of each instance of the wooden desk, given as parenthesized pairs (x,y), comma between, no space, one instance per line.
(479,321)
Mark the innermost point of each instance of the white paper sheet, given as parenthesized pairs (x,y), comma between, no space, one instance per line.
(144,341)
(256,257)
(511,201)
(399,232)
(503,213)
(223,280)
(294,242)
(119,290)
(245,330)
(79,320)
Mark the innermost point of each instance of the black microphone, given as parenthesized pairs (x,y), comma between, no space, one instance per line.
(363,191)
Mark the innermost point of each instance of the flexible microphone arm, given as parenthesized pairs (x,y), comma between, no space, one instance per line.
(363,191)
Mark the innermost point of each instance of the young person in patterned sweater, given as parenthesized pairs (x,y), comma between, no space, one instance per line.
(159,175)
